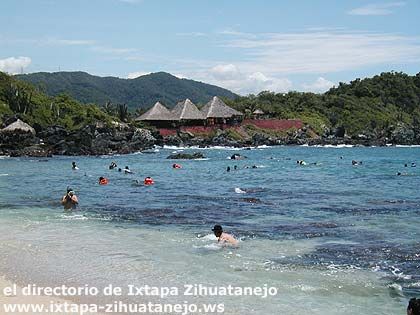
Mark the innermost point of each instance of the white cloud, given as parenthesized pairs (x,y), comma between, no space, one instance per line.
(192,34)
(70,42)
(225,72)
(14,65)
(180,76)
(131,1)
(376,9)
(321,52)
(320,85)
(112,50)
(229,76)
(133,75)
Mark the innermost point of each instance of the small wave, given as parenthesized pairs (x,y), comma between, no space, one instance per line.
(209,247)
(73,217)
(4,174)
(210,237)
(239,191)
(338,146)
(171,147)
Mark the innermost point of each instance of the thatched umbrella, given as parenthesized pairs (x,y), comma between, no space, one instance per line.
(186,110)
(157,113)
(18,126)
(216,108)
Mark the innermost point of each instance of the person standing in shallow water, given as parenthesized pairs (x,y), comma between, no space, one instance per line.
(222,237)
(69,200)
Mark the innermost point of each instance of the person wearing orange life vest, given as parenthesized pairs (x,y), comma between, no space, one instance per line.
(103,181)
(175,165)
(148,181)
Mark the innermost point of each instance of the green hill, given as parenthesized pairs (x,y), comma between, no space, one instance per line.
(142,92)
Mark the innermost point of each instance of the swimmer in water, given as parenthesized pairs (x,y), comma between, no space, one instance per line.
(222,237)
(74,166)
(69,200)
(228,169)
(113,165)
(127,170)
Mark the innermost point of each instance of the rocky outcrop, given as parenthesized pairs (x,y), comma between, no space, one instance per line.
(186,156)
(90,140)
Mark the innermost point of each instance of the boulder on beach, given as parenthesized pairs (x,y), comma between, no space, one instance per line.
(186,156)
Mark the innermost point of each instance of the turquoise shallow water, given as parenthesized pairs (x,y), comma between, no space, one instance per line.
(334,238)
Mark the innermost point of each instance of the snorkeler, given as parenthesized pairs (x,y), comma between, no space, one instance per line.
(69,200)
(148,181)
(74,166)
(228,169)
(112,165)
(103,181)
(222,237)
(127,170)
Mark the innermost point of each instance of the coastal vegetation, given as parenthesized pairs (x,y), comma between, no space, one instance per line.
(371,107)
(38,109)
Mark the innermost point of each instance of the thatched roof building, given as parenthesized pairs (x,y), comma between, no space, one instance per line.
(18,126)
(186,110)
(216,108)
(157,113)
(258,112)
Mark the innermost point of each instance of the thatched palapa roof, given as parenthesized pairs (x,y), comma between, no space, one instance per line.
(258,112)
(216,108)
(186,110)
(20,126)
(157,112)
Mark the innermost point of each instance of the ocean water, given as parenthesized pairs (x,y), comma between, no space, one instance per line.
(332,237)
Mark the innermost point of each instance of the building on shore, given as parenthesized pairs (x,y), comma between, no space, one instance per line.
(217,112)
(158,116)
(186,113)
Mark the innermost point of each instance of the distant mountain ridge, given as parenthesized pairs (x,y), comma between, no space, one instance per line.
(142,92)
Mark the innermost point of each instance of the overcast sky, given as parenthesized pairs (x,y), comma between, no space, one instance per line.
(243,45)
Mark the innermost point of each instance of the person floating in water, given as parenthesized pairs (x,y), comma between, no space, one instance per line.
(222,237)
(112,165)
(74,166)
(301,162)
(148,181)
(103,181)
(228,169)
(413,164)
(127,170)
(355,163)
(175,165)
(413,307)
(69,200)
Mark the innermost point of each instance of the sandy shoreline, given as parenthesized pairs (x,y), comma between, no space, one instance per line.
(46,301)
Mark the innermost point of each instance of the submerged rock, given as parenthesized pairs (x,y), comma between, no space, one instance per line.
(186,156)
